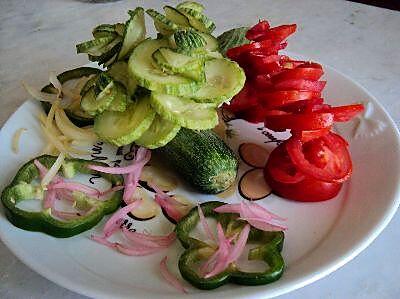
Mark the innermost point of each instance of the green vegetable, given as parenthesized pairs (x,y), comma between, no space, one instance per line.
(21,188)
(104,95)
(224,79)
(159,134)
(175,16)
(202,159)
(188,40)
(119,72)
(121,128)
(185,112)
(74,113)
(232,38)
(198,20)
(161,23)
(135,32)
(268,250)
(191,5)
(142,67)
(115,42)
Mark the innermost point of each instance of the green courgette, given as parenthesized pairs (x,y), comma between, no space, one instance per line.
(202,159)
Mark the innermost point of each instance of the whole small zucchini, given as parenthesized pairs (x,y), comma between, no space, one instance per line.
(202,159)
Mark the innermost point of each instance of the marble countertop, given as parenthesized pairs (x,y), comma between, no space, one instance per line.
(361,41)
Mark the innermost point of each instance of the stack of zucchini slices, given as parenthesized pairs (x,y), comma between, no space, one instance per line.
(176,80)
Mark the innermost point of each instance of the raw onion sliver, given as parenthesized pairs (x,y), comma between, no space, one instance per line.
(56,83)
(50,175)
(70,130)
(114,221)
(37,95)
(73,186)
(15,139)
(169,277)
(136,250)
(149,240)
(204,223)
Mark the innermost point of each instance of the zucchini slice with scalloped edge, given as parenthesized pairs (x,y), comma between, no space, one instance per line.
(161,23)
(224,79)
(122,128)
(143,67)
(175,16)
(198,20)
(119,72)
(191,5)
(159,134)
(185,112)
(135,32)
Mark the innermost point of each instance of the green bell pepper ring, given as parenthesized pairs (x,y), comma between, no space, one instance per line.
(21,188)
(269,251)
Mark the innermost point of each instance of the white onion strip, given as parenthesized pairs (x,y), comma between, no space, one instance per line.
(70,130)
(37,95)
(56,83)
(15,139)
(53,170)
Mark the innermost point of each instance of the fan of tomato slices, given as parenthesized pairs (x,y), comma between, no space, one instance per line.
(287,94)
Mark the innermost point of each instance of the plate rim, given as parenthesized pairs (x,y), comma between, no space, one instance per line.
(298,283)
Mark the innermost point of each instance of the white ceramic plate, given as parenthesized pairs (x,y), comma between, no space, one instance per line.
(321,237)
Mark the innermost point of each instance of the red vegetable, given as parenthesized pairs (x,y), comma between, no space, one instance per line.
(330,161)
(307,121)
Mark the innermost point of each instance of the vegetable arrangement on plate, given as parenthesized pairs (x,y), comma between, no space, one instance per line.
(163,94)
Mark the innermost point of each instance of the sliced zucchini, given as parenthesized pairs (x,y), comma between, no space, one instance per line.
(185,112)
(211,42)
(162,24)
(198,20)
(143,67)
(90,83)
(232,38)
(224,79)
(191,5)
(175,16)
(177,63)
(121,128)
(118,29)
(74,113)
(159,134)
(119,72)
(104,95)
(188,39)
(135,32)
(94,47)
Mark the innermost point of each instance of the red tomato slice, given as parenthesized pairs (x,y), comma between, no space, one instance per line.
(307,190)
(257,30)
(303,106)
(275,99)
(299,122)
(345,113)
(261,83)
(263,46)
(300,84)
(281,168)
(278,33)
(254,115)
(245,99)
(306,136)
(329,160)
(305,73)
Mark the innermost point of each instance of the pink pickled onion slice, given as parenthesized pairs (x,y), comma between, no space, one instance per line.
(76,187)
(170,205)
(115,220)
(149,240)
(169,277)
(64,215)
(263,225)
(204,223)
(136,250)
(256,215)
(238,248)
(65,194)
(222,257)
(228,208)
(103,240)
(49,199)
(111,190)
(142,156)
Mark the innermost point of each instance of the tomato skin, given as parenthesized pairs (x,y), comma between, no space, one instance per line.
(307,190)
(300,84)
(306,136)
(278,33)
(257,31)
(299,122)
(266,46)
(328,158)
(245,99)
(276,99)
(345,113)
(306,73)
